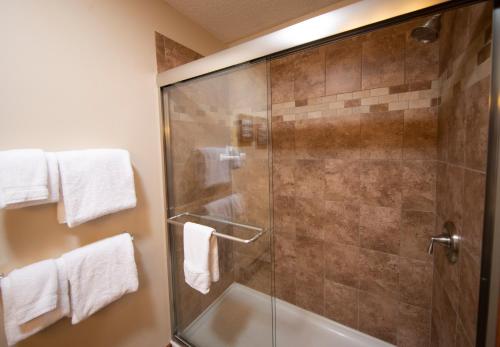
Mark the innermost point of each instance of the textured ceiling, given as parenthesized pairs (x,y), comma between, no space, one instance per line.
(230,20)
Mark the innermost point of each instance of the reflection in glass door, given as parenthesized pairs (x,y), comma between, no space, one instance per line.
(218,175)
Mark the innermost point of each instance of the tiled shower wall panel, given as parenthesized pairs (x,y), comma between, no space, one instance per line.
(354,130)
(465,67)
(170,53)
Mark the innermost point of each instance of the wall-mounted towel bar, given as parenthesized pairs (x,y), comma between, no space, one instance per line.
(232,153)
(260,231)
(2,275)
(224,157)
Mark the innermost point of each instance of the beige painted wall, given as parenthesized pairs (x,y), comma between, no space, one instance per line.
(81,74)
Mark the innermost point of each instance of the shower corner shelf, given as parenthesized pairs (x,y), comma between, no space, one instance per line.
(259,231)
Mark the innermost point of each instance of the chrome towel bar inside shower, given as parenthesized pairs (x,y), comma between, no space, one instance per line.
(259,231)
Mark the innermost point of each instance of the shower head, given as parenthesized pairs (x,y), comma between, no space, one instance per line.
(429,32)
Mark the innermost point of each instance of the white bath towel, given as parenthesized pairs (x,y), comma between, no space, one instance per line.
(228,207)
(53,184)
(23,176)
(94,183)
(31,290)
(16,332)
(201,258)
(99,274)
(217,171)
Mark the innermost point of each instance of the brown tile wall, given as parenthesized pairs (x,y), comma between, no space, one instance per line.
(463,127)
(377,140)
(354,127)
(170,53)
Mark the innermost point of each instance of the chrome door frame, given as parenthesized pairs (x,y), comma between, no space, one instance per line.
(490,258)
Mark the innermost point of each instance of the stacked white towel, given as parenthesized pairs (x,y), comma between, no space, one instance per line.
(34,297)
(94,183)
(33,290)
(38,295)
(23,177)
(201,257)
(52,184)
(99,274)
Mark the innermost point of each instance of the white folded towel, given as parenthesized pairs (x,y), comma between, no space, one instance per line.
(14,331)
(99,274)
(23,176)
(228,207)
(94,183)
(201,258)
(53,184)
(32,290)
(217,171)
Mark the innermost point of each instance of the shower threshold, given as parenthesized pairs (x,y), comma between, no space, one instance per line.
(241,317)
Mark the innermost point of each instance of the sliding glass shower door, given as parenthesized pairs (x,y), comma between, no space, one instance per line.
(217,154)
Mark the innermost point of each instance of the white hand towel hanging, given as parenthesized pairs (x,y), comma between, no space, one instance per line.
(201,258)
(99,274)
(53,184)
(94,183)
(23,176)
(16,331)
(32,290)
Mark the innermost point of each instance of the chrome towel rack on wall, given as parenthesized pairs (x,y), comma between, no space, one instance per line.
(2,275)
(259,231)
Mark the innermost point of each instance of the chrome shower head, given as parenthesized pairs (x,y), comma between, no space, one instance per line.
(429,32)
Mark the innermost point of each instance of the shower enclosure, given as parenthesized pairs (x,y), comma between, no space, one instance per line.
(326,171)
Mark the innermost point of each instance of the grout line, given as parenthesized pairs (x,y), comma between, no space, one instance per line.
(432,306)
(460,166)
(357,311)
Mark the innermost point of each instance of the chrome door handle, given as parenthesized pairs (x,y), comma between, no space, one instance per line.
(449,239)
(443,239)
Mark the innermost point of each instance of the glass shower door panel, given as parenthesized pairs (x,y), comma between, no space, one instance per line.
(219,167)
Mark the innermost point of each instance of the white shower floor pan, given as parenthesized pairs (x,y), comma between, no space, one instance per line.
(241,317)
